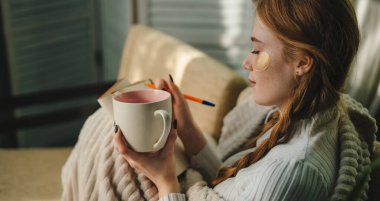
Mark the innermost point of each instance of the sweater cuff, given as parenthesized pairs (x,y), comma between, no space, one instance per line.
(173,197)
(207,162)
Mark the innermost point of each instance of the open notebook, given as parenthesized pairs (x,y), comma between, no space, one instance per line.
(105,101)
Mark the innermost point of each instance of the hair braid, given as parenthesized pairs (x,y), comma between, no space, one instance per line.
(251,158)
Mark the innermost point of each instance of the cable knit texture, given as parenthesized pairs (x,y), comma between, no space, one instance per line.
(95,171)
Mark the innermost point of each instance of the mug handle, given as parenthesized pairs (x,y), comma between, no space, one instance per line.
(167,127)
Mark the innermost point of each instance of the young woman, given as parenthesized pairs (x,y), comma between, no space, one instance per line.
(300,58)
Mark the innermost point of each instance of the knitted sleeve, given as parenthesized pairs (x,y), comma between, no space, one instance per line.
(279,181)
(207,162)
(173,197)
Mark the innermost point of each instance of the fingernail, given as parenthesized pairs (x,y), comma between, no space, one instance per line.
(171,78)
(175,124)
(116,128)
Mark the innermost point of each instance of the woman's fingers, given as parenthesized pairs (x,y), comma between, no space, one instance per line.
(176,92)
(123,148)
(161,84)
(164,84)
(134,157)
(169,146)
(119,142)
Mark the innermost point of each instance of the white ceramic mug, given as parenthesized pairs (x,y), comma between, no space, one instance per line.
(144,117)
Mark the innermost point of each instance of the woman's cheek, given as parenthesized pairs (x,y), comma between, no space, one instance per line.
(262,93)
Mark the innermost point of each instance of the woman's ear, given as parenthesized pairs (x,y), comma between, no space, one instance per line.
(305,64)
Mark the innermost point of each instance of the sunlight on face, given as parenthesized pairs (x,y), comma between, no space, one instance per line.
(272,85)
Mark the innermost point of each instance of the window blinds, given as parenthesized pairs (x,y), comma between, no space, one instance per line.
(220,28)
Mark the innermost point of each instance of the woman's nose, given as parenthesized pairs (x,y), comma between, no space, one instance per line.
(246,64)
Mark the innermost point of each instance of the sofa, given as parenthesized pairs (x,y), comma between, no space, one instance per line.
(34,174)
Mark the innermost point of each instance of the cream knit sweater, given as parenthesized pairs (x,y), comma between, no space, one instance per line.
(94,171)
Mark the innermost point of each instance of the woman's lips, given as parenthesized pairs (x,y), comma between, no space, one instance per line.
(251,83)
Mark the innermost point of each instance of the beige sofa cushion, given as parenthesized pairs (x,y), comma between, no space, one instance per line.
(149,53)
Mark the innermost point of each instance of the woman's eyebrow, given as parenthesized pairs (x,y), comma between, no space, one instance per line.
(253,39)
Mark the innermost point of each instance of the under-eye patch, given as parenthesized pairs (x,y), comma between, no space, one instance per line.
(261,61)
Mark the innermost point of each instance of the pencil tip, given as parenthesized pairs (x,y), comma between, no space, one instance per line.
(208,103)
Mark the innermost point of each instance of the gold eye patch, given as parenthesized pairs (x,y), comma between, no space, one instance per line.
(261,61)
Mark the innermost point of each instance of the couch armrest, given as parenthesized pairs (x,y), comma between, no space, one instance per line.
(32,174)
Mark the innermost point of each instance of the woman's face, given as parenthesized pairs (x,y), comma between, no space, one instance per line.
(273,85)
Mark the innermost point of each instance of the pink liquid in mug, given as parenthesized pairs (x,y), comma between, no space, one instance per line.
(142,96)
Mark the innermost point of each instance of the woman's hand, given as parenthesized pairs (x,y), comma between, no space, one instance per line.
(190,134)
(158,166)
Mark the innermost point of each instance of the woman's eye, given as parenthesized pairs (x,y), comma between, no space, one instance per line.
(255,52)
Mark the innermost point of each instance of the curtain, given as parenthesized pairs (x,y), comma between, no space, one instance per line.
(364,80)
